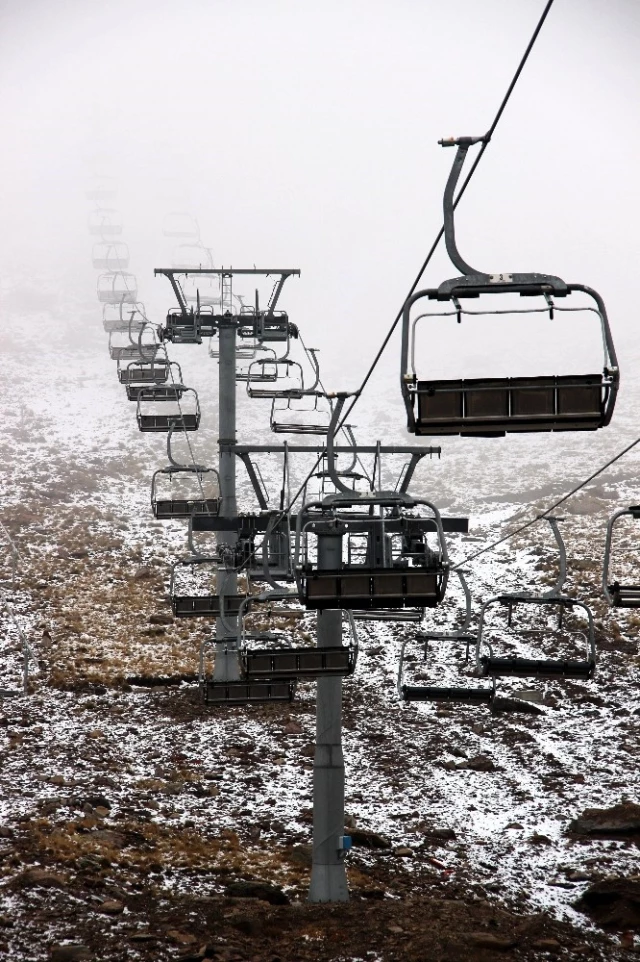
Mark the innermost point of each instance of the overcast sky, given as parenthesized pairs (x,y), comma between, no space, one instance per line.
(305,135)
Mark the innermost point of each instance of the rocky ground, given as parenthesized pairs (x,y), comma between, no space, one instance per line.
(135,823)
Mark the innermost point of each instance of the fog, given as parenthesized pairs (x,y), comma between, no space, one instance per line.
(305,135)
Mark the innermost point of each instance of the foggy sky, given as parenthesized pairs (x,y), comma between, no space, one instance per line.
(305,135)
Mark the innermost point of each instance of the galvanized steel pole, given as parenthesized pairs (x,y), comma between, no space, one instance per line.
(328,872)
(227,665)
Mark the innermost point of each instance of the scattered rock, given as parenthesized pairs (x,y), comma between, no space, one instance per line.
(111,907)
(537,839)
(479,763)
(293,728)
(181,938)
(71,952)
(619,820)
(41,877)
(485,940)
(257,890)
(613,903)
(548,945)
(364,839)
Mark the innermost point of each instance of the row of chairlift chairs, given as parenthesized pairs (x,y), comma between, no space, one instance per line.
(389,568)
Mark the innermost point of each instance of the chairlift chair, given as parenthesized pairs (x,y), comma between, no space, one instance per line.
(161,421)
(119,318)
(105,222)
(461,694)
(309,413)
(378,571)
(192,590)
(138,374)
(189,327)
(110,256)
(117,287)
(202,289)
(203,497)
(265,372)
(178,223)
(133,350)
(552,668)
(492,407)
(191,257)
(619,595)
(294,661)
(101,194)
(287,374)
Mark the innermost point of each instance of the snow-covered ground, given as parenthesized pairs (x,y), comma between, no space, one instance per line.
(91,751)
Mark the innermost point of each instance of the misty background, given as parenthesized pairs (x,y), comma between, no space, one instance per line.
(305,135)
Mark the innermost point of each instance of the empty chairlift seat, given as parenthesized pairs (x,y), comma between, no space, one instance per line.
(175,411)
(497,666)
(387,561)
(286,660)
(162,408)
(193,593)
(497,406)
(501,405)
(105,222)
(117,287)
(110,256)
(182,492)
(139,374)
(181,224)
(248,692)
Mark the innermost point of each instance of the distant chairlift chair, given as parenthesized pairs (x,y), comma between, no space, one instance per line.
(110,256)
(619,595)
(460,694)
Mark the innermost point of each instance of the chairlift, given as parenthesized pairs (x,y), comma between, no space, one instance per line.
(192,590)
(140,349)
(180,224)
(492,407)
(309,413)
(191,257)
(198,492)
(287,374)
(382,567)
(189,327)
(143,374)
(460,694)
(117,287)
(619,595)
(293,661)
(267,372)
(150,419)
(101,194)
(110,256)
(105,222)
(247,693)
(202,289)
(118,318)
(497,666)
